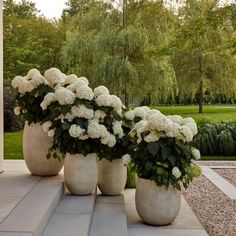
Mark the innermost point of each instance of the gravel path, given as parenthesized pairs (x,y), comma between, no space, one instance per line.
(214,209)
(228,174)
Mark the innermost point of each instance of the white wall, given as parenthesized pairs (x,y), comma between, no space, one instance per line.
(1,86)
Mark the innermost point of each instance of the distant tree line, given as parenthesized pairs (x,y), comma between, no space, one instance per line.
(140,50)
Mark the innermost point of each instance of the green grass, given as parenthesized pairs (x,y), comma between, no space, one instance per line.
(218,158)
(13,141)
(13,145)
(213,113)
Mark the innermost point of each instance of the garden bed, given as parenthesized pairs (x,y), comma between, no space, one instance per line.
(228,174)
(215,211)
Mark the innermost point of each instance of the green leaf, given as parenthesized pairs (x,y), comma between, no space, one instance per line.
(153,148)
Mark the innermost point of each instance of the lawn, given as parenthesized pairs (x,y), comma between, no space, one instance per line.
(13,141)
(13,145)
(214,113)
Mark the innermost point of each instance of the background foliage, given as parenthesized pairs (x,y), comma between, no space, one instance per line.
(142,51)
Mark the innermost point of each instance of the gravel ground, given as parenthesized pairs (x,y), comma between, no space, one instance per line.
(215,211)
(228,174)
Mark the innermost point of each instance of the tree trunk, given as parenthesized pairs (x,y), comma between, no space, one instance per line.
(200,97)
(126,99)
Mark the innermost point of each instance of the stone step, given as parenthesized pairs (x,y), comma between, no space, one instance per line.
(109,217)
(31,214)
(185,224)
(72,216)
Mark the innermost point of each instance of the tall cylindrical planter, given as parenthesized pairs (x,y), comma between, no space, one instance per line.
(112,176)
(35,149)
(81,173)
(156,205)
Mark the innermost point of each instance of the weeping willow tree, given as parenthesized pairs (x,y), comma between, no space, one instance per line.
(111,41)
(202,62)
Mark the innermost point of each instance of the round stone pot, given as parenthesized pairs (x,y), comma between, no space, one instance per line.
(35,149)
(112,176)
(81,173)
(156,205)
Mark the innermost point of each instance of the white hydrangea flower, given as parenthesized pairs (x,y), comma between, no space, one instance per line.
(140,126)
(48,99)
(83,137)
(37,80)
(112,141)
(82,112)
(158,122)
(51,133)
(140,112)
(54,76)
(25,86)
(129,115)
(104,100)
(104,132)
(75,131)
(71,79)
(116,102)
(69,117)
(85,92)
(99,114)
(196,153)
(117,129)
(33,72)
(173,130)
(152,112)
(100,90)
(64,96)
(126,159)
(79,83)
(186,134)
(16,82)
(152,137)
(94,129)
(85,80)
(191,124)
(17,110)
(46,126)
(176,172)
(176,119)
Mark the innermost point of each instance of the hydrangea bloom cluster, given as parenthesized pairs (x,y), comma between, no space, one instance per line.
(156,125)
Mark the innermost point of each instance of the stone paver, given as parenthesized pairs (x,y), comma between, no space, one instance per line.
(221,183)
(185,224)
(72,216)
(217,163)
(109,217)
(32,214)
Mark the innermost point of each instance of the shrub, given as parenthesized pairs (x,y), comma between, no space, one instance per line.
(216,138)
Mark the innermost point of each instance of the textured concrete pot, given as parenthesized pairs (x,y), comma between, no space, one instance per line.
(35,148)
(112,176)
(81,173)
(156,205)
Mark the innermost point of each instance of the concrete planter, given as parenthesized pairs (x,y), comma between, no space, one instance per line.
(35,148)
(156,205)
(81,173)
(112,176)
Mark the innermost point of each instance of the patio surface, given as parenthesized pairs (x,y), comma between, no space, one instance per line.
(31,205)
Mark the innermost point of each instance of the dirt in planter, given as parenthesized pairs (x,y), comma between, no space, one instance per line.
(228,174)
(215,211)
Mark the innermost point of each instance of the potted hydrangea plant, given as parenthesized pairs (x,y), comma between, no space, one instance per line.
(31,91)
(114,143)
(75,132)
(164,161)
